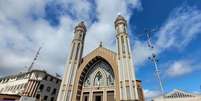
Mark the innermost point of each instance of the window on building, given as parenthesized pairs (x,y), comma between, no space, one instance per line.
(52,99)
(98,98)
(1,90)
(72,51)
(15,87)
(38,96)
(51,78)
(45,78)
(118,44)
(123,46)
(57,81)
(8,88)
(41,87)
(98,79)
(48,89)
(12,88)
(25,85)
(78,48)
(86,98)
(80,36)
(45,97)
(18,87)
(21,86)
(54,91)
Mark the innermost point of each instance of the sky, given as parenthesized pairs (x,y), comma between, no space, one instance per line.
(26,25)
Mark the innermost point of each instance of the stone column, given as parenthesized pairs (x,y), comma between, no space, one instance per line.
(91,96)
(104,95)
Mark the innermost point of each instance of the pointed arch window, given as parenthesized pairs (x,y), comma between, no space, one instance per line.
(118,39)
(100,74)
(121,28)
(128,50)
(72,51)
(98,79)
(122,42)
(78,48)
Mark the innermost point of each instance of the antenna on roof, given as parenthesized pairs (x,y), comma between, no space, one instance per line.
(35,58)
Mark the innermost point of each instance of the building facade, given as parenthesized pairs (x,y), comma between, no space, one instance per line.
(178,95)
(36,83)
(102,75)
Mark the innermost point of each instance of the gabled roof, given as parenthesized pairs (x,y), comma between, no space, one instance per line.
(179,94)
(100,50)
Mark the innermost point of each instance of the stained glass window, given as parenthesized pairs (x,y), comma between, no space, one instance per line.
(98,79)
(100,74)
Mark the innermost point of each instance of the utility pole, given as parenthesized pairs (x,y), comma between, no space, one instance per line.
(35,58)
(153,58)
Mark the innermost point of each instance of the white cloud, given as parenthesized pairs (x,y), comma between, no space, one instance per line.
(21,9)
(149,94)
(21,35)
(179,68)
(181,27)
(141,52)
(103,30)
(182,67)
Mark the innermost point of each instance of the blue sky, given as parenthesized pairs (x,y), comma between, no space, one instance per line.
(27,25)
(156,14)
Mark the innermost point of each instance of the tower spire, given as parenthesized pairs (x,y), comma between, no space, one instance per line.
(128,86)
(66,88)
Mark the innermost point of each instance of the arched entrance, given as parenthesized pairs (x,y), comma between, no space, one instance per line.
(98,83)
(97,66)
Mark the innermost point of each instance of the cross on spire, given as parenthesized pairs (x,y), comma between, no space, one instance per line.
(101,44)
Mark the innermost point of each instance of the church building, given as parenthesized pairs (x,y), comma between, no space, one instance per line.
(102,75)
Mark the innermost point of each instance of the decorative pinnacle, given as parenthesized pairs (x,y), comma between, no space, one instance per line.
(119,20)
(120,17)
(81,25)
(101,44)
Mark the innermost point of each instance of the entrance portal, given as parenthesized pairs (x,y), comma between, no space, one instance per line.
(98,83)
(98,96)
(110,96)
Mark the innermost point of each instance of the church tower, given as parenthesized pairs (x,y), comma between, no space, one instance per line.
(66,88)
(127,80)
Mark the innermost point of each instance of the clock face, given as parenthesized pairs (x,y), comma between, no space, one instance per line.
(100,74)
